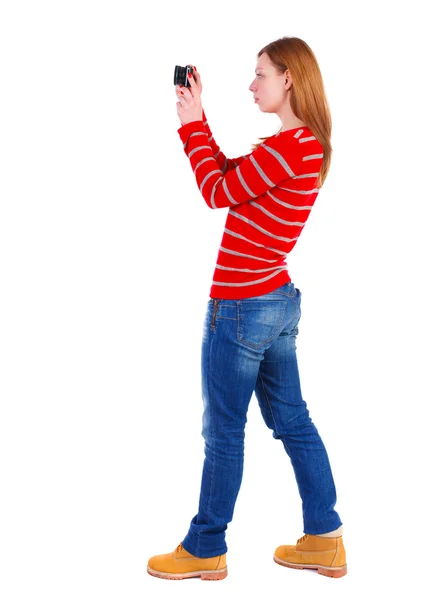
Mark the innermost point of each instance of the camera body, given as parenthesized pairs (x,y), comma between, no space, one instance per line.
(181,75)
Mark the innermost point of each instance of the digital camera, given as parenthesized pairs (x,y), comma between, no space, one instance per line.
(181,75)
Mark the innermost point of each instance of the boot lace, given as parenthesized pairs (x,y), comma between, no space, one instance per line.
(304,537)
(179,548)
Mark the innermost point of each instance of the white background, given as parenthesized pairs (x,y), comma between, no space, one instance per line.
(107,252)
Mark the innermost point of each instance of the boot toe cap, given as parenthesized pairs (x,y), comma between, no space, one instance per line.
(284,552)
(159,562)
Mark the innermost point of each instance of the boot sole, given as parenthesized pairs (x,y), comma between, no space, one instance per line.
(327,571)
(211,575)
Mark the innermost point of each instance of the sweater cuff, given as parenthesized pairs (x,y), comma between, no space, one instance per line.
(185,130)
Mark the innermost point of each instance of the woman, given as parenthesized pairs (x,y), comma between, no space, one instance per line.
(251,324)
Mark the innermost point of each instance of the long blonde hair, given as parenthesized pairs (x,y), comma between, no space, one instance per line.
(308,99)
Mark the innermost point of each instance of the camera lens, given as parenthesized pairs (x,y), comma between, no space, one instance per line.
(181,75)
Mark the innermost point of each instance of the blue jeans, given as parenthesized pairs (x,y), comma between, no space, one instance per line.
(248,346)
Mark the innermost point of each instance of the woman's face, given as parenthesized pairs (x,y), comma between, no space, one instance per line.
(268,86)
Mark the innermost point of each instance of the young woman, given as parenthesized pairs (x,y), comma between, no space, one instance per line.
(251,323)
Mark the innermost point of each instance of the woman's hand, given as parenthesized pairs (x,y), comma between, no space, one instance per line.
(197,80)
(189,107)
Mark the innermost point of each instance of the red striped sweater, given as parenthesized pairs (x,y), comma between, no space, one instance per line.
(269,192)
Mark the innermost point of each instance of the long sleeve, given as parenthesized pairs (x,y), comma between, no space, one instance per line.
(225,164)
(274,161)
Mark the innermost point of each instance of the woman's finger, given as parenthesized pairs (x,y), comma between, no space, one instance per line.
(193,85)
(184,89)
(180,93)
(181,102)
(191,80)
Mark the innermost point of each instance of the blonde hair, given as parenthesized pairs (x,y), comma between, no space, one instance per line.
(307,99)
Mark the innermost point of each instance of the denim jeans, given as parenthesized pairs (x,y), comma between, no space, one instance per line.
(248,346)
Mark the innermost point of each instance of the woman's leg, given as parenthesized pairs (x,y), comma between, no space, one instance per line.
(236,334)
(278,391)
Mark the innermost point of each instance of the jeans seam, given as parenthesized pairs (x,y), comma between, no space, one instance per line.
(268,403)
(211,435)
(297,313)
(272,293)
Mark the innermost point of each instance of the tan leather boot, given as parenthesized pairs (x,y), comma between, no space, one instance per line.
(326,555)
(180,564)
